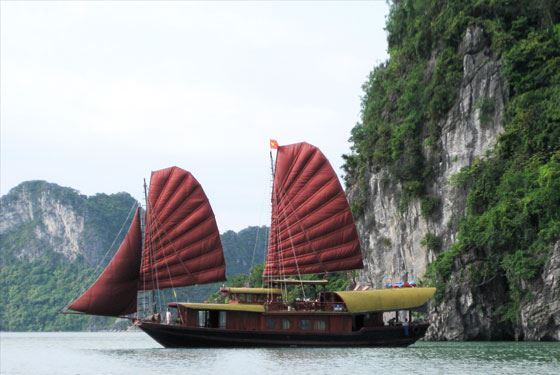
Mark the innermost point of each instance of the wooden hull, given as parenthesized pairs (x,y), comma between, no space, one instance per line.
(175,336)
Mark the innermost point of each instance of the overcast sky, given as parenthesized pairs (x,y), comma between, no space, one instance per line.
(95,95)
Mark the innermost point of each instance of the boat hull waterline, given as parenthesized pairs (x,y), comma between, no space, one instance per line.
(175,336)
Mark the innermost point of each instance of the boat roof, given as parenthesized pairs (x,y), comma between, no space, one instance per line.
(223,306)
(252,290)
(298,282)
(376,300)
(385,299)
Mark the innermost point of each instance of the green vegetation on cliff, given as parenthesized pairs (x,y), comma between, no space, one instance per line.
(34,292)
(244,249)
(39,272)
(513,203)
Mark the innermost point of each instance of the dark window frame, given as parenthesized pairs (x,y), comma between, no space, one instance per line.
(305,324)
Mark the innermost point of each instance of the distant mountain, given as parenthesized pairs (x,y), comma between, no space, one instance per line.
(55,241)
(244,249)
(40,218)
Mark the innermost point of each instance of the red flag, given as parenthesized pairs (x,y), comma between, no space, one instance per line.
(274,144)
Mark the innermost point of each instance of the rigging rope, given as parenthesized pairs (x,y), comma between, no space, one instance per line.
(150,258)
(159,228)
(96,269)
(295,260)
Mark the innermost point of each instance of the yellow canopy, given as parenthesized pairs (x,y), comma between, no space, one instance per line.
(253,290)
(223,306)
(386,299)
(298,282)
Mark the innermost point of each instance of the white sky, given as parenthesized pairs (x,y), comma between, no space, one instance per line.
(95,95)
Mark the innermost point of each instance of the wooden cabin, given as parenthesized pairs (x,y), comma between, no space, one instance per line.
(262,309)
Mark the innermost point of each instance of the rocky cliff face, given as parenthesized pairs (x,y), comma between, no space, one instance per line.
(244,249)
(399,243)
(471,311)
(38,217)
(51,240)
(540,316)
(392,238)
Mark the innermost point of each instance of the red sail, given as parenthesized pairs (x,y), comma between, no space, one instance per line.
(114,292)
(312,229)
(182,244)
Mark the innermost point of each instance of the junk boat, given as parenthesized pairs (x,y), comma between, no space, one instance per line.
(312,233)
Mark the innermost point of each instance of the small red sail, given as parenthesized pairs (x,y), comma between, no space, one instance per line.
(114,292)
(312,229)
(182,244)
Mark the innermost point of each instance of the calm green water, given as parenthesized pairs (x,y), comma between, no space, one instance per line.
(136,353)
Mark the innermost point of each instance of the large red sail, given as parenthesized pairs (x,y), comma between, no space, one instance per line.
(182,244)
(312,229)
(114,292)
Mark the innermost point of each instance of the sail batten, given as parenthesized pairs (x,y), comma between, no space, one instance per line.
(181,257)
(318,220)
(114,293)
(187,233)
(312,228)
(182,244)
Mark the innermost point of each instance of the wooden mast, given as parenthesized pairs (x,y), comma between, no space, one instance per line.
(152,296)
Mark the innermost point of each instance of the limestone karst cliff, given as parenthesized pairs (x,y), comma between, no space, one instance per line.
(393,244)
(454,175)
(53,243)
(38,217)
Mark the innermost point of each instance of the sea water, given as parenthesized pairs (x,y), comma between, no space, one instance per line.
(136,353)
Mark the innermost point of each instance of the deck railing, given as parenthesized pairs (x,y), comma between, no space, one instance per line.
(306,306)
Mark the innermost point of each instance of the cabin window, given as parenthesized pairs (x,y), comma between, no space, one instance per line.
(222,322)
(249,298)
(286,324)
(241,298)
(202,318)
(320,325)
(271,323)
(304,324)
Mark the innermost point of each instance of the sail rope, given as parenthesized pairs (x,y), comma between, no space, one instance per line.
(92,274)
(259,229)
(304,231)
(144,294)
(295,259)
(279,254)
(255,248)
(162,241)
(289,206)
(270,296)
(155,279)
(280,260)
(257,235)
(281,268)
(298,222)
(289,213)
(160,229)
